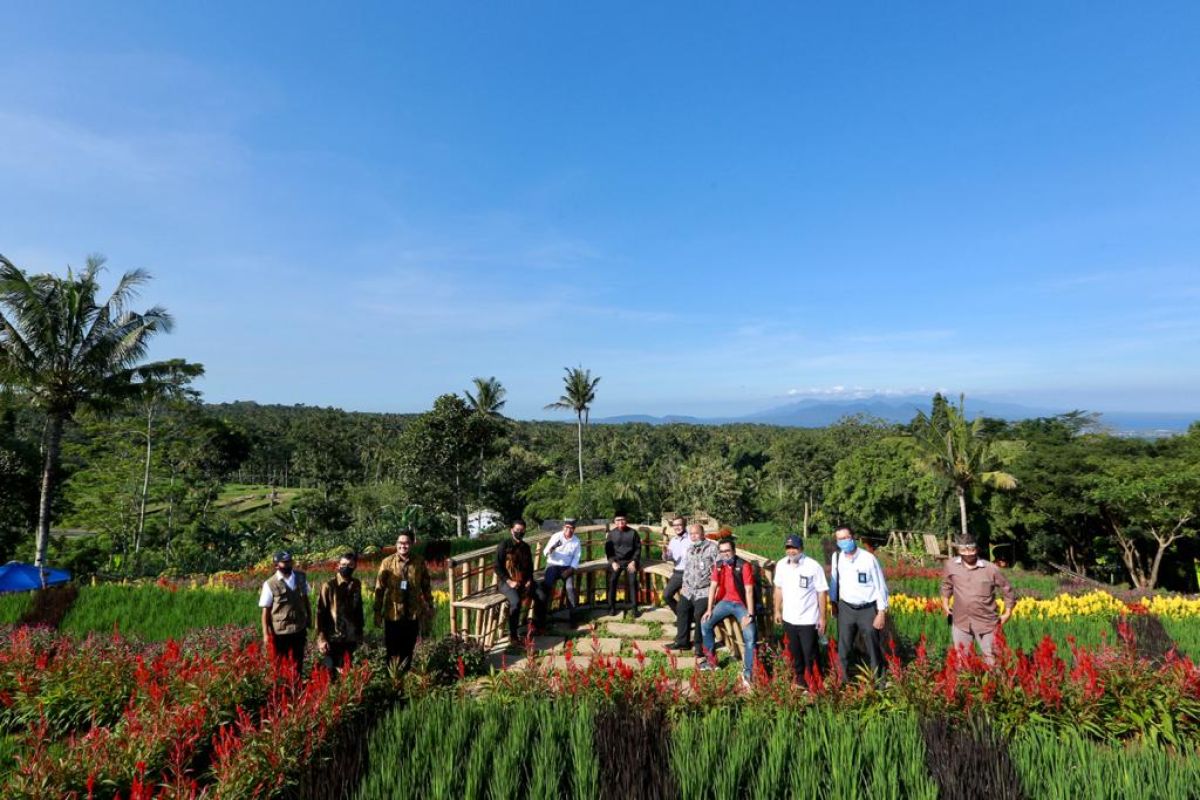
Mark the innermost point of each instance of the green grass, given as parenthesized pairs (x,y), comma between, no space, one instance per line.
(1022,634)
(13,606)
(1186,635)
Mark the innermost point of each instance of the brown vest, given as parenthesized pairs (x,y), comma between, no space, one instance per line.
(289,607)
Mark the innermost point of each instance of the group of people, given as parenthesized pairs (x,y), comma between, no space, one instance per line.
(403,608)
(709,584)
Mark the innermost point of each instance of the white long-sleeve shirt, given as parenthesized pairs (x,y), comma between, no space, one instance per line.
(566,554)
(858,579)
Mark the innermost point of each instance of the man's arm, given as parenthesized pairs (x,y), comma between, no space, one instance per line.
(712,593)
(380,594)
(821,598)
(501,567)
(266,625)
(778,605)
(748,586)
(637,544)
(324,619)
(881,599)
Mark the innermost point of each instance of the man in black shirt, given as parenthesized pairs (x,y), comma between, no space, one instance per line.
(623,548)
(514,577)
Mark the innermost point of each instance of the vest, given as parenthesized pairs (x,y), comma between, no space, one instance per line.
(289,607)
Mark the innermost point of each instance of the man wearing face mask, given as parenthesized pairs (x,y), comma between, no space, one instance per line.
(698,563)
(623,548)
(972,582)
(800,592)
(860,594)
(514,578)
(340,616)
(286,612)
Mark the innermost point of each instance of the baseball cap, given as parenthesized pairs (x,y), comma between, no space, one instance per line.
(794,541)
(283,555)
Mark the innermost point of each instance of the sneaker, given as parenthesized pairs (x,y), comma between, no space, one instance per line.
(745,682)
(705,665)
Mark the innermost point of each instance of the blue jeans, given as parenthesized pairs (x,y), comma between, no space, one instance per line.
(728,608)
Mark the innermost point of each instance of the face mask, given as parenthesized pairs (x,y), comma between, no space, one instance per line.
(346,572)
(726,559)
(518,535)
(846,545)
(971,559)
(795,559)
(285,569)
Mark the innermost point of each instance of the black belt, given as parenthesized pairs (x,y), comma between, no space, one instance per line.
(858,607)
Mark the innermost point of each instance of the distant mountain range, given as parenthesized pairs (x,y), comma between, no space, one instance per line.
(819,412)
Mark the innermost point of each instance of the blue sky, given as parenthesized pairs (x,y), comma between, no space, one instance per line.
(713,207)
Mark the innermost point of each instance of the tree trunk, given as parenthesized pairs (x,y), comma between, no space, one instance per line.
(579,436)
(458,505)
(806,519)
(141,526)
(962,512)
(54,429)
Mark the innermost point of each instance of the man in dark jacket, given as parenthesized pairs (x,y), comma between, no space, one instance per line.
(340,616)
(623,548)
(514,577)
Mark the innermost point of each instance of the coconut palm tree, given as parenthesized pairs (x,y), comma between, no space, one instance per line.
(954,448)
(578,395)
(486,403)
(65,351)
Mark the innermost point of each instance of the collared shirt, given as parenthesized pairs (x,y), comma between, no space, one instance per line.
(403,590)
(858,579)
(799,584)
(677,550)
(727,589)
(561,551)
(266,598)
(697,572)
(974,593)
(623,545)
(340,611)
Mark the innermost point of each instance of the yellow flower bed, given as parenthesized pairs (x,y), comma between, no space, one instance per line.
(1065,606)
(1173,607)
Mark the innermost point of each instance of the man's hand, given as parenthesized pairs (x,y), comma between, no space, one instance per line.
(323,647)
(379,620)
(615,566)
(266,641)
(880,619)
(778,617)
(747,620)
(513,584)
(631,567)
(1005,617)
(821,626)
(706,616)
(568,572)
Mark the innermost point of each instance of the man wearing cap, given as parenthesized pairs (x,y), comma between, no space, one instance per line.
(860,594)
(340,615)
(623,548)
(403,599)
(800,592)
(693,594)
(561,555)
(972,583)
(286,613)
(676,550)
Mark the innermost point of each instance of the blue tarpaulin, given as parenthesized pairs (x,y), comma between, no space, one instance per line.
(18,577)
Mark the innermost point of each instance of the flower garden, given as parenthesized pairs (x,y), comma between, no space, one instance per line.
(162,690)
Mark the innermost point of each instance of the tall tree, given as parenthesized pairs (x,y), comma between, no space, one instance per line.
(433,452)
(485,403)
(954,448)
(579,392)
(67,350)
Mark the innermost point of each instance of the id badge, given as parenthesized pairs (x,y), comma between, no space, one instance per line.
(805,581)
(864,577)
(404,586)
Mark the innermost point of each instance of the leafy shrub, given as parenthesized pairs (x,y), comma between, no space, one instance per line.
(449,658)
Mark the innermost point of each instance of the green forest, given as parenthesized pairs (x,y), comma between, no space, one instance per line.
(146,478)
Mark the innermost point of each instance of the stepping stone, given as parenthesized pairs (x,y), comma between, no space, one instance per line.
(663,615)
(629,629)
(604,645)
(653,645)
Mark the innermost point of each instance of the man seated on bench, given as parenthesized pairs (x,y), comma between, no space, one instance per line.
(623,548)
(514,578)
(561,554)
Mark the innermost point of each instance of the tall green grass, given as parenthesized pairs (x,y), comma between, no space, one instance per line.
(1065,766)
(153,612)
(1020,633)
(13,606)
(817,754)
(441,746)
(1185,633)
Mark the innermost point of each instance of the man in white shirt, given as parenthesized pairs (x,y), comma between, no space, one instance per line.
(676,552)
(561,553)
(286,613)
(860,594)
(800,593)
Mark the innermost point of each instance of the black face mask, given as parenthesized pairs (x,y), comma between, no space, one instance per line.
(518,535)
(346,572)
(285,569)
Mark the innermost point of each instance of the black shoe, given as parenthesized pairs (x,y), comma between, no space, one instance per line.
(612,611)
(636,613)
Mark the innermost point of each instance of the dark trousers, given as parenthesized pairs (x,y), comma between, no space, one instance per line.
(554,574)
(340,653)
(290,647)
(631,583)
(671,593)
(801,642)
(514,597)
(400,638)
(852,622)
(687,621)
